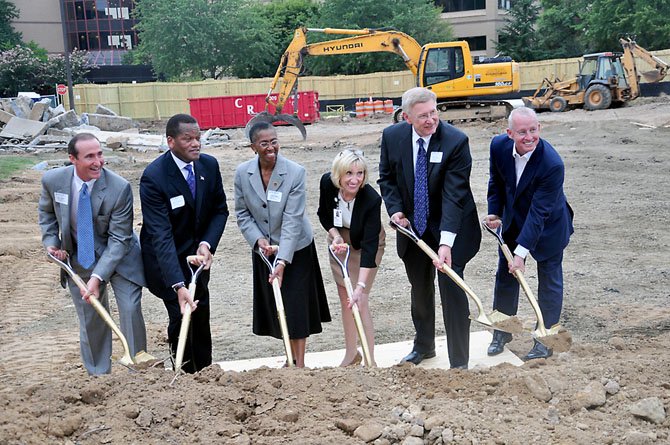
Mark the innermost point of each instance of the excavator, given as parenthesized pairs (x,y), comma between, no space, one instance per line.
(604,79)
(446,68)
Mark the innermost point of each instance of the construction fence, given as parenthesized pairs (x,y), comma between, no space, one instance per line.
(159,100)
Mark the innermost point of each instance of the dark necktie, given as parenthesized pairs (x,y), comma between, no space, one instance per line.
(85,243)
(190,179)
(421,190)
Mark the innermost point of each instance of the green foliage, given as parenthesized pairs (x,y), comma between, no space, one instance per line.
(418,18)
(518,38)
(283,17)
(8,36)
(200,39)
(647,21)
(11,164)
(560,29)
(23,70)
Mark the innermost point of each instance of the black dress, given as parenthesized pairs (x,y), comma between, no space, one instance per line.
(303,294)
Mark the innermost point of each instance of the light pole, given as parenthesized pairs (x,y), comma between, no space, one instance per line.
(68,69)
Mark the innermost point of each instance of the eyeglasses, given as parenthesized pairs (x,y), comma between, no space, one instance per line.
(426,116)
(524,133)
(267,144)
(348,150)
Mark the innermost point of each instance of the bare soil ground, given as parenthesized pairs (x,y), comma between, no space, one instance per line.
(612,387)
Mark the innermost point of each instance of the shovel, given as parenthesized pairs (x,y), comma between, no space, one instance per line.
(279,303)
(126,360)
(354,308)
(186,317)
(556,337)
(496,320)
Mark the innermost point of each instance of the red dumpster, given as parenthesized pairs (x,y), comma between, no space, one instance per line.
(236,111)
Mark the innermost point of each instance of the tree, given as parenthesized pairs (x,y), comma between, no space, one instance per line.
(417,18)
(518,38)
(8,36)
(561,29)
(21,69)
(284,16)
(645,20)
(199,39)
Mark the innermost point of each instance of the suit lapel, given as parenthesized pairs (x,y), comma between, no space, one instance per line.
(255,179)
(407,161)
(199,185)
(177,178)
(278,174)
(530,170)
(65,187)
(98,193)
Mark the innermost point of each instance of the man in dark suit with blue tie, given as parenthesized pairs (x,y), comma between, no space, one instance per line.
(424,177)
(526,191)
(184,213)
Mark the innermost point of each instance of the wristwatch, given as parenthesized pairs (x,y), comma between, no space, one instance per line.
(176,287)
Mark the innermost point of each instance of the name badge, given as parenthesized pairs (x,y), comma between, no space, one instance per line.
(177,201)
(436,157)
(274,196)
(61,198)
(337,217)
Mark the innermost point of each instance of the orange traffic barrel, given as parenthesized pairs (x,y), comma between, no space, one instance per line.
(368,108)
(388,106)
(360,109)
(378,106)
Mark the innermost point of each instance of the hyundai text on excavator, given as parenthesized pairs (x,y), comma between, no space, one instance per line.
(446,68)
(604,79)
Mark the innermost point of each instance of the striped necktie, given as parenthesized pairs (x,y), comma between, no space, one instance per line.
(421,190)
(85,243)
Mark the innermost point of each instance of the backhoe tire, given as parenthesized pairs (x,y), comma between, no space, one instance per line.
(597,97)
(558,104)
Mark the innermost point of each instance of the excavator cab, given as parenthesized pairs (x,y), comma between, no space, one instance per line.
(442,64)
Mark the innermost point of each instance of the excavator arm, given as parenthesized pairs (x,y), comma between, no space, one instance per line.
(630,51)
(362,41)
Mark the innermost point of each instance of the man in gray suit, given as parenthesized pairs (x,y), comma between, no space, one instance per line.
(86,212)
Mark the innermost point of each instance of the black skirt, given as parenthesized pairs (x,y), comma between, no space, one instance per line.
(303,294)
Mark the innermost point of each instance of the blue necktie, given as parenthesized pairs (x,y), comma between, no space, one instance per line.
(85,243)
(421,190)
(190,179)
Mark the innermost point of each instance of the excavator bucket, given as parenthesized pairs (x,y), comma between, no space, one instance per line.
(653,76)
(264,116)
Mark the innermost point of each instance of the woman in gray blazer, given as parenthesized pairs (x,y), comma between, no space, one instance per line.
(270,201)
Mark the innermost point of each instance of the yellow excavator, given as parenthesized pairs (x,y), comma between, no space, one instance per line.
(604,79)
(446,68)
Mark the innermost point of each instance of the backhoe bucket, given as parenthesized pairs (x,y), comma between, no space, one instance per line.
(264,116)
(653,76)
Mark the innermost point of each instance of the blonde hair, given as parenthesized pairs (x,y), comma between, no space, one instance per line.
(343,162)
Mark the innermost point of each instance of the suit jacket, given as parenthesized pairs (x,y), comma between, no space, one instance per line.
(535,213)
(278,213)
(450,202)
(174,223)
(365,218)
(116,246)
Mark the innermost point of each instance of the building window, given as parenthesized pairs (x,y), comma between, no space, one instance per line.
(504,4)
(477,43)
(461,5)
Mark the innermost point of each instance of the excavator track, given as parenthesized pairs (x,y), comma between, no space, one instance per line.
(469,110)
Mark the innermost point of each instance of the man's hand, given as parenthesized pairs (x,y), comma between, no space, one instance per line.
(93,287)
(492,221)
(399,219)
(184,298)
(58,253)
(203,251)
(517,263)
(444,255)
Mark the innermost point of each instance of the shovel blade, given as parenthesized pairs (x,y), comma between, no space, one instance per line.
(556,338)
(264,116)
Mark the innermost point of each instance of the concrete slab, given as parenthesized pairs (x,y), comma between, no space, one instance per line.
(5,117)
(38,110)
(101,109)
(388,355)
(23,128)
(109,123)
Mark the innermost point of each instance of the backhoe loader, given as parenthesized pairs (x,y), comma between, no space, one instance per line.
(446,68)
(604,79)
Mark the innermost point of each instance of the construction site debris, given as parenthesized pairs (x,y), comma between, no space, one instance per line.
(107,122)
(23,128)
(101,109)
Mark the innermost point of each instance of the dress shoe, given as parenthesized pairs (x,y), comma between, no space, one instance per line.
(538,351)
(500,339)
(417,357)
(358,358)
(459,367)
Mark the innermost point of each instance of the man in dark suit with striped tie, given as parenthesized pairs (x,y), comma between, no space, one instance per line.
(424,177)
